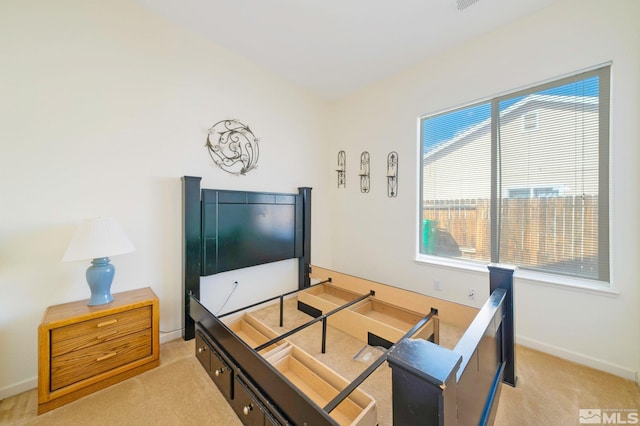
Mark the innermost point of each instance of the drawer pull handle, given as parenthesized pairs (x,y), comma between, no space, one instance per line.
(107,356)
(247,409)
(219,371)
(202,349)
(105,335)
(103,324)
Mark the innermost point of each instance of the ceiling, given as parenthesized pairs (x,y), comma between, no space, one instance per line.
(335,47)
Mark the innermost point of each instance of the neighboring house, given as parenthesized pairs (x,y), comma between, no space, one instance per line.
(528,129)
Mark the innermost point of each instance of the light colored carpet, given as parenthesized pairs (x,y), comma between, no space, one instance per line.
(550,391)
(178,392)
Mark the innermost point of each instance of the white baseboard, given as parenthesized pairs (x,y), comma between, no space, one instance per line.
(579,358)
(17,388)
(170,335)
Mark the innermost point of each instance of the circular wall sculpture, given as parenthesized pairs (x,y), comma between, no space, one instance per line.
(233,147)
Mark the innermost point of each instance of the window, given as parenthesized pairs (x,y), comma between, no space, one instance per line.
(522,179)
(530,121)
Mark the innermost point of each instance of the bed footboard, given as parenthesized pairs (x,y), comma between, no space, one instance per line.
(436,386)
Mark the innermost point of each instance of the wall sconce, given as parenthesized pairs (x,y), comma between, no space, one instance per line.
(364,172)
(392,174)
(342,169)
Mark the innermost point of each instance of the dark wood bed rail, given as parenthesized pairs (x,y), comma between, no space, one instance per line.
(322,318)
(377,363)
(271,389)
(280,298)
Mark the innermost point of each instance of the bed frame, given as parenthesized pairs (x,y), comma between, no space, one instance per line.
(430,384)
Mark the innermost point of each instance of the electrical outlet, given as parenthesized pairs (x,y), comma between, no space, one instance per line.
(472,293)
(436,285)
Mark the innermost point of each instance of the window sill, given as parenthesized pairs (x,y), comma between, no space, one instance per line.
(569,283)
(453,263)
(536,278)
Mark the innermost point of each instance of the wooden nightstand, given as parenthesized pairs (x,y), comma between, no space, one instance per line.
(82,349)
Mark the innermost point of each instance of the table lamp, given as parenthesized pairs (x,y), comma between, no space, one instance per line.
(97,239)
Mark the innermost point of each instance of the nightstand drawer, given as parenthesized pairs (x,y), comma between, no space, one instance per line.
(88,333)
(78,365)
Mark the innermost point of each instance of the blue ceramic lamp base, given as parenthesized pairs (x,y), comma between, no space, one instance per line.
(99,277)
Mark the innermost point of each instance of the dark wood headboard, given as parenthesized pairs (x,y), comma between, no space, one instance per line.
(193,240)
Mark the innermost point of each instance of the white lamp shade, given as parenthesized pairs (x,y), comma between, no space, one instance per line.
(97,237)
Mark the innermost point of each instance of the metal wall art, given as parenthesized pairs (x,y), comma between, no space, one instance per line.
(364,172)
(392,174)
(233,147)
(342,169)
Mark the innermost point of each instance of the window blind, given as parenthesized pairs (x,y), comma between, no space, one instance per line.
(549,187)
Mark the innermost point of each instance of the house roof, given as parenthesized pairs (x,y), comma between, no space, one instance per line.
(522,106)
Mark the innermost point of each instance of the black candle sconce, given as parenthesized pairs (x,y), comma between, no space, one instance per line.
(364,172)
(392,174)
(342,169)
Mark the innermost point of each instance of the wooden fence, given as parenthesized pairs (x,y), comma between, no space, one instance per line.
(557,232)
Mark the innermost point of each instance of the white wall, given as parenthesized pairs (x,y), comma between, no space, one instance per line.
(103,107)
(375,236)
